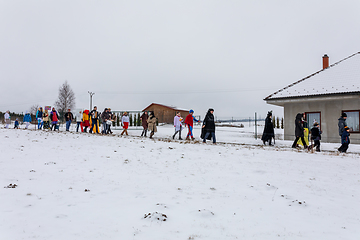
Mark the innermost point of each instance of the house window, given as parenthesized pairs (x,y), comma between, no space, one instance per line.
(312,117)
(352,120)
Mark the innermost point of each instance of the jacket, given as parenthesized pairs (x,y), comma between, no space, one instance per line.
(105,116)
(315,134)
(152,123)
(78,116)
(39,114)
(94,115)
(54,116)
(209,122)
(299,128)
(345,137)
(341,125)
(144,117)
(7,118)
(69,116)
(125,119)
(189,120)
(178,122)
(46,116)
(27,117)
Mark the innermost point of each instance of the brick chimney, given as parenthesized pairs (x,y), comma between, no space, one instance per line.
(325,61)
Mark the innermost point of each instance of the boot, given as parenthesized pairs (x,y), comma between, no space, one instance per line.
(151,134)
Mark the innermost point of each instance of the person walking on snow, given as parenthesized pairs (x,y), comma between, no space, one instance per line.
(78,116)
(345,140)
(268,133)
(178,125)
(7,119)
(27,119)
(69,117)
(144,117)
(94,115)
(112,120)
(39,116)
(46,119)
(152,124)
(85,120)
(125,123)
(189,121)
(54,118)
(105,117)
(299,130)
(342,123)
(209,126)
(316,137)
(16,124)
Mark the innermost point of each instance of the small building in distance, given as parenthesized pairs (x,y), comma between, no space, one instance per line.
(165,114)
(323,96)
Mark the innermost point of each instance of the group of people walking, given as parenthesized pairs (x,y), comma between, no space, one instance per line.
(207,130)
(86,119)
(300,125)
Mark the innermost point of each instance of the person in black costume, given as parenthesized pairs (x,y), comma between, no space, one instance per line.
(208,127)
(316,137)
(268,133)
(299,130)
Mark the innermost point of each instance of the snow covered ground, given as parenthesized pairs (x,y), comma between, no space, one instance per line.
(79,186)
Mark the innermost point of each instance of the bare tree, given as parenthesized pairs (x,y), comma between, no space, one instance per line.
(33,109)
(66,99)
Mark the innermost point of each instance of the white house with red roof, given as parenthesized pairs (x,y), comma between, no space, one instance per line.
(323,97)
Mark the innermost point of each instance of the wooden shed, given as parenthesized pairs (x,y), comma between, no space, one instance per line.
(165,114)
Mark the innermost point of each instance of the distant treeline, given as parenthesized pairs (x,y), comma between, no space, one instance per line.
(15,116)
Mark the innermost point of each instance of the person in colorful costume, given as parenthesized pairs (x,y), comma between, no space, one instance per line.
(189,121)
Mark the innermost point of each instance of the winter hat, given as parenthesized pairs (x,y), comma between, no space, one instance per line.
(343,115)
(269,113)
(346,128)
(191,111)
(316,124)
(211,109)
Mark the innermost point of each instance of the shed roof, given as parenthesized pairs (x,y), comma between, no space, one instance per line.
(342,77)
(171,107)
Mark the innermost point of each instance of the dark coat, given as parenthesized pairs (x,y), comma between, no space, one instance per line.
(144,117)
(268,130)
(315,134)
(299,128)
(69,116)
(341,124)
(345,137)
(94,115)
(105,116)
(209,122)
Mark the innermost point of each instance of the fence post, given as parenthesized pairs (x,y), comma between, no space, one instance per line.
(255,127)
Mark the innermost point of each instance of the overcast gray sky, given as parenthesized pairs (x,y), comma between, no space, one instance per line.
(228,55)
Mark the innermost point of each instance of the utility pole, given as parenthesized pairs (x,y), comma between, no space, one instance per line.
(91,94)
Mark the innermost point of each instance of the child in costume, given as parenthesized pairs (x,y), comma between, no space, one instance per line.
(85,120)
(16,125)
(178,125)
(316,136)
(189,121)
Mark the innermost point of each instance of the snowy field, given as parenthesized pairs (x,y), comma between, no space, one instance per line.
(79,186)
